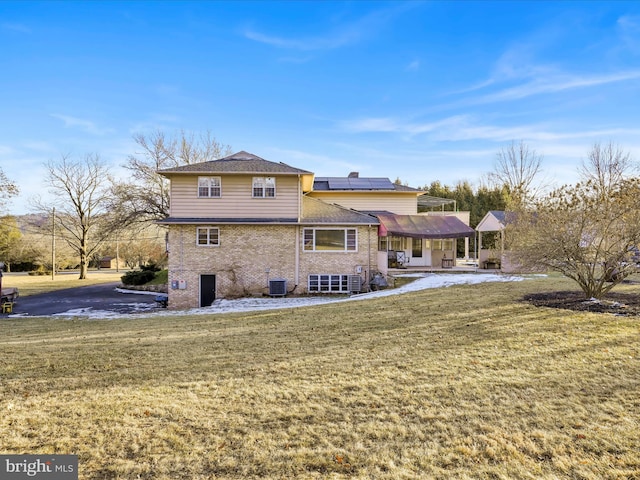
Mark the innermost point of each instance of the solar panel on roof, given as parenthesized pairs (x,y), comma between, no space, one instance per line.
(356,183)
(339,183)
(360,183)
(381,183)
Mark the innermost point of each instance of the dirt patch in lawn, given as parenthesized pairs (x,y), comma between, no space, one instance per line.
(617,303)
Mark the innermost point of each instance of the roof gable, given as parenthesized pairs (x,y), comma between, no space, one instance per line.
(493,221)
(239,163)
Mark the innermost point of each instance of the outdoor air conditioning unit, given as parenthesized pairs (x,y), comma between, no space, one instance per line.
(355,283)
(278,287)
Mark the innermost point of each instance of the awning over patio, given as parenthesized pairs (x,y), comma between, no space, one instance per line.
(423,226)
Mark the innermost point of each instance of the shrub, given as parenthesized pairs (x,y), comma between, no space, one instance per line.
(151,267)
(138,277)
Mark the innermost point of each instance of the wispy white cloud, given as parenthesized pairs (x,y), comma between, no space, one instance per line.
(556,84)
(39,146)
(413,66)
(15,27)
(166,89)
(156,122)
(629,31)
(328,41)
(86,125)
(340,36)
(330,164)
(6,150)
(518,74)
(394,125)
(298,60)
(470,128)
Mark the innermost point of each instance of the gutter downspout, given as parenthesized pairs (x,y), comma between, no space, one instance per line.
(368,259)
(296,273)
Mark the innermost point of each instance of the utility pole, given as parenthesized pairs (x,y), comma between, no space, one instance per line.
(53,244)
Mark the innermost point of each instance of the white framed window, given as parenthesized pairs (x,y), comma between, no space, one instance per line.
(397,243)
(208,236)
(383,244)
(209,187)
(330,239)
(443,244)
(328,283)
(416,247)
(264,187)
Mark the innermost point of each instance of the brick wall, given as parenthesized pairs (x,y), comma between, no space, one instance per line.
(246,252)
(343,263)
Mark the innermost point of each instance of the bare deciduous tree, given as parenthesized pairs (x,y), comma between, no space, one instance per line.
(80,189)
(518,168)
(8,189)
(586,232)
(606,166)
(145,198)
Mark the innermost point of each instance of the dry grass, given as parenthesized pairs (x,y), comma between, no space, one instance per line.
(464,382)
(34,284)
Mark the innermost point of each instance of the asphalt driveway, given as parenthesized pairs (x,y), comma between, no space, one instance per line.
(84,300)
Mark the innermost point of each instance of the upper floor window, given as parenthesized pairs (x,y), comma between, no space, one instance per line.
(208,236)
(264,187)
(326,239)
(209,187)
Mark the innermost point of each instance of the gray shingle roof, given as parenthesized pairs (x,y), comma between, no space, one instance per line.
(316,211)
(241,162)
(500,216)
(224,221)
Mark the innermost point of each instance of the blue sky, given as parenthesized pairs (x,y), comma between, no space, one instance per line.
(422,91)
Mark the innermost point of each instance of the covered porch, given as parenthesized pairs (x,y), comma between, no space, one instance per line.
(420,241)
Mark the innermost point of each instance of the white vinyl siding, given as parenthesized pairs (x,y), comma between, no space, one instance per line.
(400,203)
(236,200)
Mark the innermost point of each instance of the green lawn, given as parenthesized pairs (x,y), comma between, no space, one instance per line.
(461,382)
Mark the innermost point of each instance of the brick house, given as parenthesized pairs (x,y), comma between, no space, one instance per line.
(243,225)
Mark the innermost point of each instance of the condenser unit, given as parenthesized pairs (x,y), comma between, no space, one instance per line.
(278,287)
(355,284)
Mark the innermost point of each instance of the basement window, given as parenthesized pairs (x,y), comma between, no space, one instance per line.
(328,283)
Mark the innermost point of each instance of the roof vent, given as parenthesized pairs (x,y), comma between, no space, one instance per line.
(354,174)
